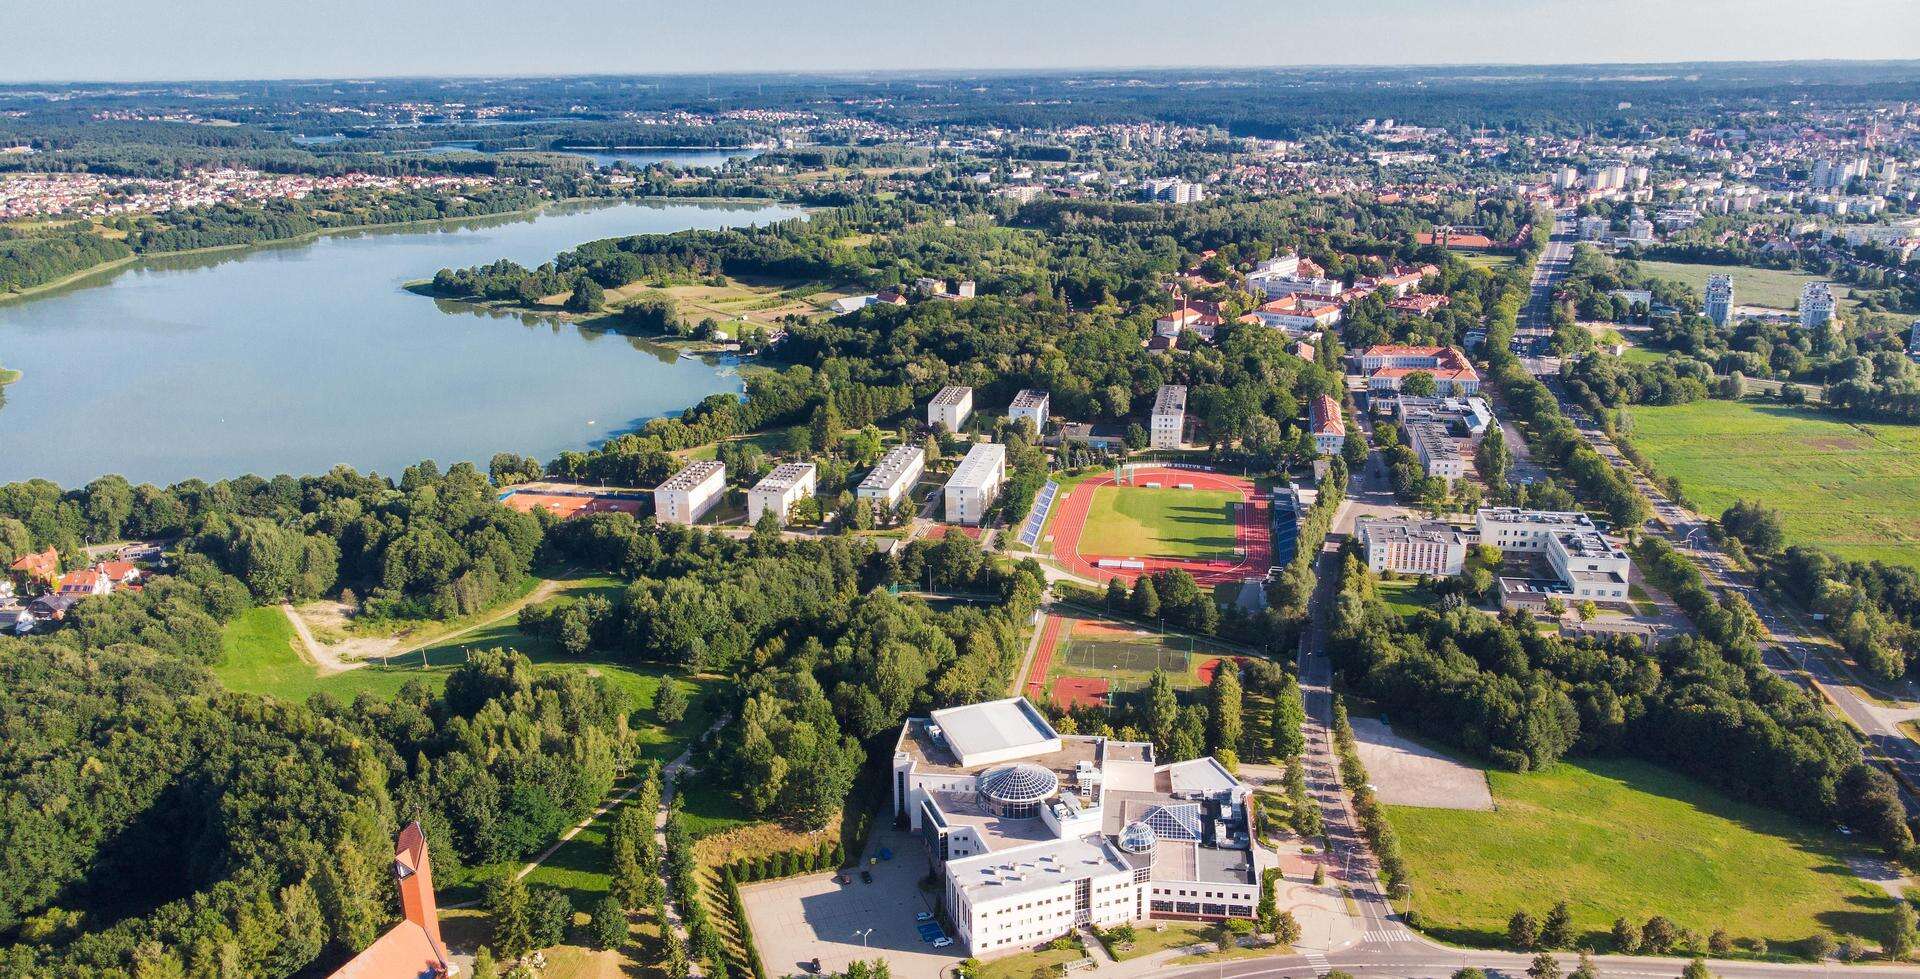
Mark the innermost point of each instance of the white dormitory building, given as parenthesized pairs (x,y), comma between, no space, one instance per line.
(1440,431)
(1033,834)
(1278,268)
(894,477)
(975,483)
(1168,425)
(687,495)
(1719,299)
(950,407)
(1816,305)
(1031,405)
(787,484)
(1408,546)
(1329,425)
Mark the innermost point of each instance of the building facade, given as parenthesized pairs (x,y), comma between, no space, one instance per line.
(1033,834)
(1817,309)
(687,495)
(975,483)
(1409,546)
(894,477)
(1387,366)
(787,484)
(1168,427)
(1719,299)
(1329,425)
(950,407)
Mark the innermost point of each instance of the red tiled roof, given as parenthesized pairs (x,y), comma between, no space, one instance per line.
(44,563)
(404,952)
(1327,419)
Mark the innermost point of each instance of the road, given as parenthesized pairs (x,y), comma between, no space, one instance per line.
(1790,647)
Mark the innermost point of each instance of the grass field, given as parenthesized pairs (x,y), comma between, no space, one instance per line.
(1623,838)
(1751,287)
(1482,260)
(1126,654)
(1406,597)
(1840,484)
(1134,521)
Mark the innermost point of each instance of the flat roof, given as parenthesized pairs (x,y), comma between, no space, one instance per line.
(892,465)
(1170,399)
(693,475)
(972,470)
(785,476)
(1029,398)
(1202,774)
(1036,867)
(997,725)
(952,394)
(1543,518)
(1405,528)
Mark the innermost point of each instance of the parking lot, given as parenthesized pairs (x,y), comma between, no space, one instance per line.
(797,919)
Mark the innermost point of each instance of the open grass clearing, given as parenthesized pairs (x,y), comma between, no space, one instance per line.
(1625,838)
(1778,288)
(1844,485)
(1138,521)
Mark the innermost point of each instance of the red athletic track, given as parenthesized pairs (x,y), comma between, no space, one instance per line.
(1080,691)
(1255,534)
(1043,655)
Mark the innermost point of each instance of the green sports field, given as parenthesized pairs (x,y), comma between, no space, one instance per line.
(1138,521)
(1621,838)
(1843,485)
(1778,288)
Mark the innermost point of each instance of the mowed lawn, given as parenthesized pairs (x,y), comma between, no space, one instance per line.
(1620,838)
(1843,485)
(1136,521)
(1778,288)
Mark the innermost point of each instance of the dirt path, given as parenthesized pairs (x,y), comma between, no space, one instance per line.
(540,593)
(323,658)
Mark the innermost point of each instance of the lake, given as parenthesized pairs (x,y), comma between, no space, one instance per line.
(297,357)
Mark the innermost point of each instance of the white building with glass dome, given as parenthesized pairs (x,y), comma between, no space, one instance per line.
(1034,834)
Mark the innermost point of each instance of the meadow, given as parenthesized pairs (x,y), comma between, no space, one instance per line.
(1778,288)
(1844,485)
(1618,838)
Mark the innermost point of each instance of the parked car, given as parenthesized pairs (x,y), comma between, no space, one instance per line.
(943,942)
(866,876)
(842,879)
(923,916)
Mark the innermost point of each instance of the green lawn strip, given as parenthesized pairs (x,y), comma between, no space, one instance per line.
(1134,521)
(414,631)
(1625,838)
(1778,288)
(1844,485)
(1406,596)
(1151,937)
(1026,965)
(709,808)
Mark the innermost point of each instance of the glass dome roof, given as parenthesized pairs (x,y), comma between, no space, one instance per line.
(1022,783)
(1137,837)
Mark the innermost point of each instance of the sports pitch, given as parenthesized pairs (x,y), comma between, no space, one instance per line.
(1142,522)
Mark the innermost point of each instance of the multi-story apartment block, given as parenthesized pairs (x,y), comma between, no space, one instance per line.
(787,484)
(1030,405)
(975,483)
(687,495)
(898,470)
(1816,306)
(1719,299)
(1168,424)
(950,407)
(1033,834)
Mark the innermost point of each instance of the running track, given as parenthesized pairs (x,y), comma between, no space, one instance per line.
(1043,656)
(1254,534)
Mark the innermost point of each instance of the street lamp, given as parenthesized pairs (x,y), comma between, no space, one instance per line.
(863,933)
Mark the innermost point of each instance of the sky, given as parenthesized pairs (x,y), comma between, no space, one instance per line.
(122,40)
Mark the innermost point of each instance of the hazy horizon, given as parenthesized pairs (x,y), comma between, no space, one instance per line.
(203,40)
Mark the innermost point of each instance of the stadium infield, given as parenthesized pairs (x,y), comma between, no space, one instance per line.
(1169,513)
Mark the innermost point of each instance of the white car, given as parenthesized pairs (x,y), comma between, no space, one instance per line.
(943,943)
(923,916)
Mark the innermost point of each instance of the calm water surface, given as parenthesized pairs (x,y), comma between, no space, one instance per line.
(299,357)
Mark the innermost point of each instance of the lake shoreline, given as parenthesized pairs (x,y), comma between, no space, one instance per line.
(67,280)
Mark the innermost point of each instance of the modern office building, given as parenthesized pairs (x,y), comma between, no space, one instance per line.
(975,483)
(950,407)
(787,484)
(687,495)
(1514,529)
(1719,299)
(1408,546)
(1585,564)
(1595,568)
(1816,305)
(898,470)
(1441,431)
(1033,834)
(1329,425)
(1168,426)
(1031,406)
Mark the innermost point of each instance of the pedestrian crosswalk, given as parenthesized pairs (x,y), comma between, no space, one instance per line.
(1389,935)
(1320,964)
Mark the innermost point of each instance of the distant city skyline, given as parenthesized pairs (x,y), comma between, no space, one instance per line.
(121,40)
